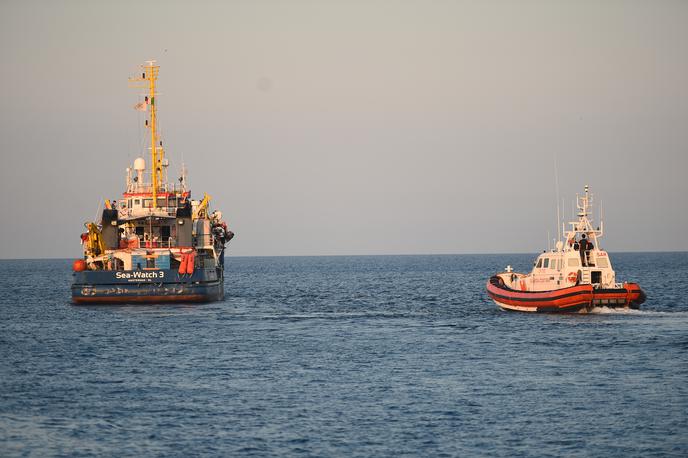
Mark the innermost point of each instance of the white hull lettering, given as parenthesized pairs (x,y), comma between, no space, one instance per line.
(140,275)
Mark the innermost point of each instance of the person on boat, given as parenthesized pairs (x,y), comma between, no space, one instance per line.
(583,247)
(587,252)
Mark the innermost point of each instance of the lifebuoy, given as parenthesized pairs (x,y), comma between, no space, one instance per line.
(572,277)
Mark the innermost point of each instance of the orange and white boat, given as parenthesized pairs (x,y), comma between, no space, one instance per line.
(576,276)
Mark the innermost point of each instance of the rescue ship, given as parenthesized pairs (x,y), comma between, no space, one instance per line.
(576,276)
(156,244)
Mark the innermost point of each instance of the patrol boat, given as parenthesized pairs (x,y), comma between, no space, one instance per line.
(576,276)
(155,244)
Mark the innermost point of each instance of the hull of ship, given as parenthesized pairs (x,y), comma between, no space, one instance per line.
(566,300)
(147,287)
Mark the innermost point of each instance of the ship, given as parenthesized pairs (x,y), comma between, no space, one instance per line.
(576,276)
(156,244)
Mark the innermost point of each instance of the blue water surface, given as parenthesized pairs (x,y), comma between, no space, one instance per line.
(344,356)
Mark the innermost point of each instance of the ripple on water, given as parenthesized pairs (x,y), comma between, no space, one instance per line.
(356,356)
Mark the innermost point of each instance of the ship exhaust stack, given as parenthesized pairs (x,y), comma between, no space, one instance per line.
(109,231)
(184,226)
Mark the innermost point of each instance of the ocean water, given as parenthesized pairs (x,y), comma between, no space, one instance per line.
(344,356)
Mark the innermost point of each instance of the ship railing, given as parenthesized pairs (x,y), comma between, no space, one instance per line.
(169,243)
(614,285)
(207,240)
(146,212)
(148,187)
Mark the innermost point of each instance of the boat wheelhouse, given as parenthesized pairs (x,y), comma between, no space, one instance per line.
(576,275)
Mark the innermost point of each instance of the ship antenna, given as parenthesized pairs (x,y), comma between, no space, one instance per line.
(563,224)
(601,226)
(100,202)
(556,181)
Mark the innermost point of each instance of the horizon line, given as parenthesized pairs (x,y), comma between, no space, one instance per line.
(363,255)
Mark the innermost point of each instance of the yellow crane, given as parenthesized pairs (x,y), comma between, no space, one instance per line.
(94,245)
(202,209)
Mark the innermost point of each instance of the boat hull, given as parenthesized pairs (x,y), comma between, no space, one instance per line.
(565,300)
(147,286)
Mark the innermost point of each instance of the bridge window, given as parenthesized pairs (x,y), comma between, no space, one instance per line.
(539,263)
(546,263)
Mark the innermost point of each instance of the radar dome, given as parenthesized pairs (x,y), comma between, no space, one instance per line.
(139,164)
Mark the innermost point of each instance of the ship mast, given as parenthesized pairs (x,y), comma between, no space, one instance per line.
(157,153)
(584,224)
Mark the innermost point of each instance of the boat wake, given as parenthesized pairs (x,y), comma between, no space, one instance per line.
(628,311)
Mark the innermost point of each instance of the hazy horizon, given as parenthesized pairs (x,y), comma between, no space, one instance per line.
(535,255)
(328,128)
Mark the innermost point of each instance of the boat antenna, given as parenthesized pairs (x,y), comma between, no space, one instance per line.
(556,182)
(601,226)
(562,225)
(100,202)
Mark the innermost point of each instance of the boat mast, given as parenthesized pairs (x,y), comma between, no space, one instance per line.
(157,153)
(585,224)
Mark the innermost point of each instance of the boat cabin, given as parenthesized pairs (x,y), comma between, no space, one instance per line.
(556,269)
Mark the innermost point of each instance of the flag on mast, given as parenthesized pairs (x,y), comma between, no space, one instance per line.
(141,106)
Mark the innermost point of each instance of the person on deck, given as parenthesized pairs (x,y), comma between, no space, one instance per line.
(583,247)
(590,247)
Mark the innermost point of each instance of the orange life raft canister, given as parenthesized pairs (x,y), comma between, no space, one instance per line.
(190,262)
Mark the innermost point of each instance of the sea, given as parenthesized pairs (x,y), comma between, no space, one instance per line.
(362,356)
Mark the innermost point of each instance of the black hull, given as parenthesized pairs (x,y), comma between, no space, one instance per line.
(147,287)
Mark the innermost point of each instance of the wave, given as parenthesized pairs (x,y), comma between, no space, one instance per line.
(336,315)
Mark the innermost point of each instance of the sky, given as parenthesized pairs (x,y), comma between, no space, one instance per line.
(353,127)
